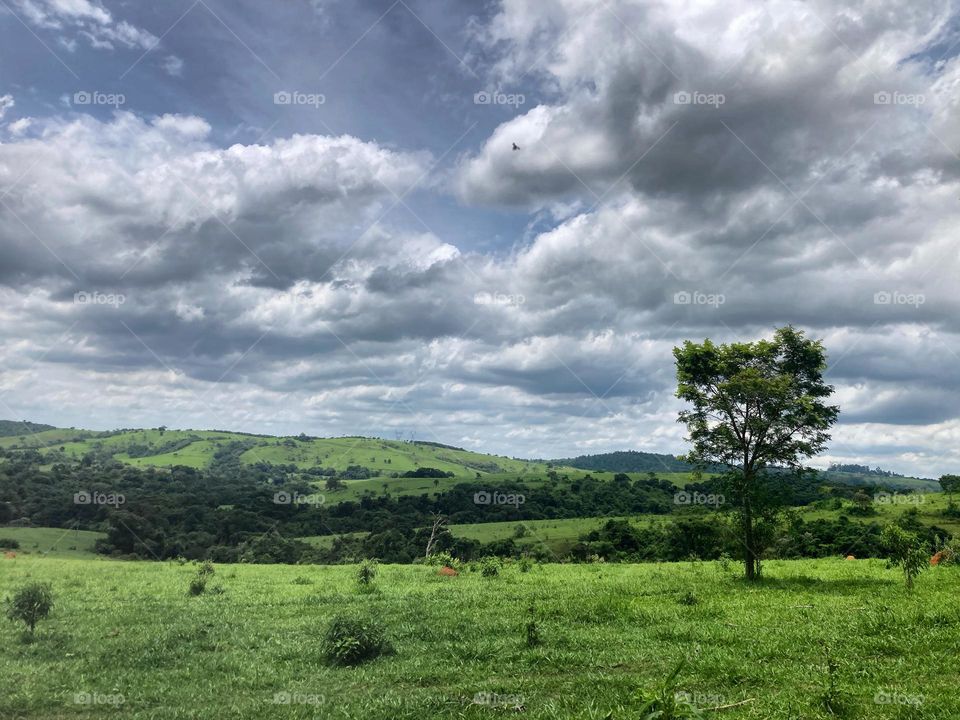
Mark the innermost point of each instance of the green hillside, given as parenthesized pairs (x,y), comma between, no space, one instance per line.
(385,459)
(198,448)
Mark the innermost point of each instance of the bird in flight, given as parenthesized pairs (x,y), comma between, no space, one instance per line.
(516,147)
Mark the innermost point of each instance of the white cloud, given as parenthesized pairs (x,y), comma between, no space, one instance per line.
(88,19)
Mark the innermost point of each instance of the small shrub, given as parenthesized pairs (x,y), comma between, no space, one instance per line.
(30,604)
(525,564)
(354,640)
(365,575)
(490,566)
(198,584)
(906,551)
(9,544)
(688,598)
(444,559)
(533,629)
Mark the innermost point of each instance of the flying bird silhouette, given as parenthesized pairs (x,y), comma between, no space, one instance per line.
(516,147)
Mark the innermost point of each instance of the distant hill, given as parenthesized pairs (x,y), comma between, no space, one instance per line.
(358,457)
(10,428)
(626,461)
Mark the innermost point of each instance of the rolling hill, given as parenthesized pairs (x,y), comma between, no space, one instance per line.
(379,458)
(200,448)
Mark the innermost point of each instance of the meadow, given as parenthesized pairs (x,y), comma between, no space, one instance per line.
(125,640)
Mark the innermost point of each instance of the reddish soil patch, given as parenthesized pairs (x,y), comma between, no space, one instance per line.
(447,571)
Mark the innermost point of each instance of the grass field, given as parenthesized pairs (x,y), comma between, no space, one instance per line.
(126,641)
(53,542)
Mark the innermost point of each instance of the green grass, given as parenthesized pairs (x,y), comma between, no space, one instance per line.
(52,542)
(129,629)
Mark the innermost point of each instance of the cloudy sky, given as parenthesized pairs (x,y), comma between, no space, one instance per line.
(310,215)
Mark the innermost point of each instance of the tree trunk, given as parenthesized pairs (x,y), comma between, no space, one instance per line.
(750,555)
(750,559)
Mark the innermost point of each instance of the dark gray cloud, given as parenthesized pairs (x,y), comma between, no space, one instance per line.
(301,279)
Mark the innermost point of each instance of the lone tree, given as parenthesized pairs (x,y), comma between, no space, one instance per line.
(950,484)
(755,405)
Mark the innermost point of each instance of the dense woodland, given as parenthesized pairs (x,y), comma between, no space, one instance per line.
(228,513)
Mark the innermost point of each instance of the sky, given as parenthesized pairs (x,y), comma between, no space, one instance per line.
(485,224)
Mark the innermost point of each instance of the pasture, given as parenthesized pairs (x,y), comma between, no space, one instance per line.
(125,640)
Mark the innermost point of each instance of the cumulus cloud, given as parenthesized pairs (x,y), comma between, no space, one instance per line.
(695,172)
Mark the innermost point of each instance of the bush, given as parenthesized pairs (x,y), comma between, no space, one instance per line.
(365,575)
(906,551)
(199,583)
(9,543)
(443,559)
(30,604)
(354,640)
(197,586)
(490,566)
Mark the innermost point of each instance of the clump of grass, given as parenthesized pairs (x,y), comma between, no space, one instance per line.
(30,604)
(665,703)
(833,698)
(355,640)
(301,580)
(366,574)
(198,584)
(688,598)
(533,629)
